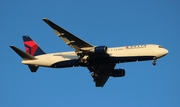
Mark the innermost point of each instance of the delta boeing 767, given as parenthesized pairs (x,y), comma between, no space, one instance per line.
(99,60)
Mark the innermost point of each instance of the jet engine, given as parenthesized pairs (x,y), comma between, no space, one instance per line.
(118,73)
(99,49)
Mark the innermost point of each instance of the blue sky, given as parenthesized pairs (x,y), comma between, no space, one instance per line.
(103,22)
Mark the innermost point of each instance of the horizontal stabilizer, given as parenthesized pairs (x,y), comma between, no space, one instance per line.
(33,68)
(23,54)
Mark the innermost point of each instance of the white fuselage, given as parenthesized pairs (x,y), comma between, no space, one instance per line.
(119,54)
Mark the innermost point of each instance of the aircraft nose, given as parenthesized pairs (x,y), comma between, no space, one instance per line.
(166,51)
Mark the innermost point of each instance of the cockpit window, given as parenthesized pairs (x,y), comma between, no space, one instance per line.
(160,47)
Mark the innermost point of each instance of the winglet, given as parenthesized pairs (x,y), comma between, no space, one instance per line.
(23,54)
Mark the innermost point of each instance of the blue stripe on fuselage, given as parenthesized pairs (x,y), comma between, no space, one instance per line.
(75,62)
(131,59)
(68,63)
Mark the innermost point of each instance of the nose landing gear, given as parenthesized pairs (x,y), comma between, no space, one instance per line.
(155,60)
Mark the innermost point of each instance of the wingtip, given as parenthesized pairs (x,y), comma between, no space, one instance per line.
(45,19)
(11,46)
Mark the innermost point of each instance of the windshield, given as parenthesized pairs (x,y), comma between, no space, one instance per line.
(161,47)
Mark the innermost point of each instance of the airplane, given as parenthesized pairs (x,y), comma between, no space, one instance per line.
(99,60)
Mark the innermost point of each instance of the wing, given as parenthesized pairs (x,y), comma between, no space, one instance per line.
(68,38)
(101,73)
(101,80)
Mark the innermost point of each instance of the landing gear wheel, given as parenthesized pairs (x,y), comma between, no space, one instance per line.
(84,59)
(95,76)
(154,63)
(155,60)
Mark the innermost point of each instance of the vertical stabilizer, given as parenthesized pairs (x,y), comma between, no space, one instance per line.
(32,47)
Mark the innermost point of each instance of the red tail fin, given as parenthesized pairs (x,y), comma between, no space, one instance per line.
(32,47)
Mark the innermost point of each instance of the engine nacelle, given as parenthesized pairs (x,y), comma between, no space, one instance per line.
(99,49)
(118,73)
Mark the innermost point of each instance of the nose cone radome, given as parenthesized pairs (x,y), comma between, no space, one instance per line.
(162,52)
(166,51)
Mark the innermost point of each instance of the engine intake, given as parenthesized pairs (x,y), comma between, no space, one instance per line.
(118,73)
(99,49)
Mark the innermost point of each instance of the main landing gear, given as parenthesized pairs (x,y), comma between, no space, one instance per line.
(94,73)
(83,58)
(155,60)
(95,76)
